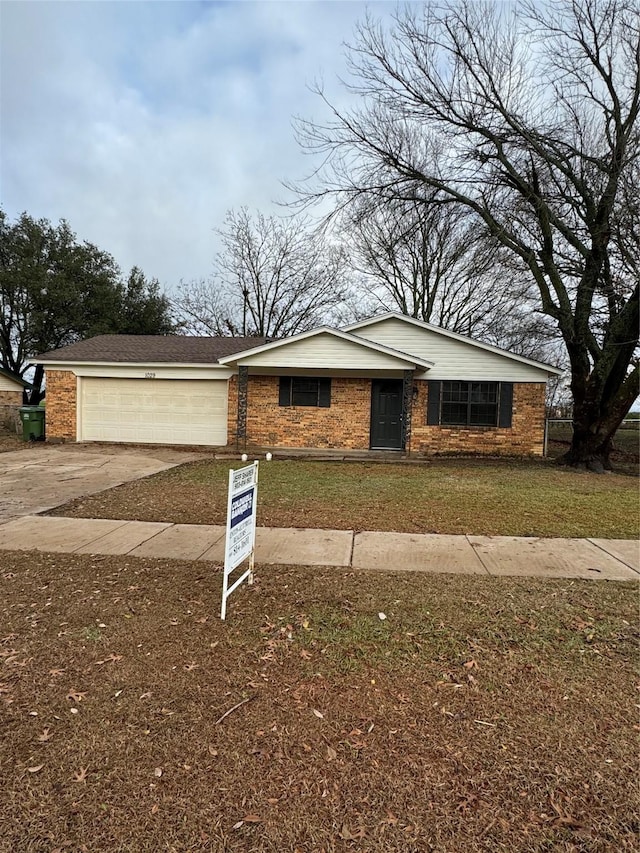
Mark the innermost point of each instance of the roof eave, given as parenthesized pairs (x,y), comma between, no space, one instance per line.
(103,363)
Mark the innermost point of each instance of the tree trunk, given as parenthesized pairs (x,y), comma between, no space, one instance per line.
(37,393)
(593,433)
(589,451)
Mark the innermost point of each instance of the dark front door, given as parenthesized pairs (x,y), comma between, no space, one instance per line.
(386,414)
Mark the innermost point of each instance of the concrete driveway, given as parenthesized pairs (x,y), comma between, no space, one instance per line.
(41,477)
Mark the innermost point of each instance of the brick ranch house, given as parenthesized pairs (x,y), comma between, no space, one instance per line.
(389,383)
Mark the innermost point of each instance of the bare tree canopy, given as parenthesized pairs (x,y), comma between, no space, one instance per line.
(274,277)
(437,263)
(527,115)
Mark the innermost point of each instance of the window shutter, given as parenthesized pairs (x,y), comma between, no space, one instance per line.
(506,404)
(324,393)
(433,402)
(285,391)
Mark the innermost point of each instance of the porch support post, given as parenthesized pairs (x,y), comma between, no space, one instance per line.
(243,389)
(407,406)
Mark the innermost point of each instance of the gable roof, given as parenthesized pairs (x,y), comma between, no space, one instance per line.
(370,321)
(338,334)
(14,378)
(149,349)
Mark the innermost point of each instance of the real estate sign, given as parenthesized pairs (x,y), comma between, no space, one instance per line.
(242,504)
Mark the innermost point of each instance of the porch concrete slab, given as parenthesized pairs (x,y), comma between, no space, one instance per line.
(303,546)
(124,539)
(415,552)
(625,550)
(181,542)
(49,533)
(550,558)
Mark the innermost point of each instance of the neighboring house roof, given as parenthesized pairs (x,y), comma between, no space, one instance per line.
(339,353)
(393,315)
(13,377)
(149,349)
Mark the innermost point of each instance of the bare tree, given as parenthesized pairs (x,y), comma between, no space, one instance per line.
(274,277)
(527,115)
(435,263)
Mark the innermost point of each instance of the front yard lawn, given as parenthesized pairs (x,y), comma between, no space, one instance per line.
(479,497)
(369,712)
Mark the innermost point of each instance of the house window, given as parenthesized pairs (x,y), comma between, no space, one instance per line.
(470,404)
(305,391)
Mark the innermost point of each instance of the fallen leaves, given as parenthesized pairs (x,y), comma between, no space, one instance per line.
(80,775)
(109,659)
(75,696)
(250,818)
(348,834)
(45,736)
(36,769)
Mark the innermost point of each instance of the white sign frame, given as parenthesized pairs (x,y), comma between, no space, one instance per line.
(240,537)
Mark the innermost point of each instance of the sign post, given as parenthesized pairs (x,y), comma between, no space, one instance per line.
(242,505)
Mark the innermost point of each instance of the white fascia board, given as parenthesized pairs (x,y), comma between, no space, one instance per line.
(237,357)
(67,364)
(394,315)
(134,370)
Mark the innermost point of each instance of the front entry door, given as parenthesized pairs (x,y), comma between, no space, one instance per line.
(386,414)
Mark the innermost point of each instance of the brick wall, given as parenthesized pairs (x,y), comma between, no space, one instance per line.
(232,412)
(10,402)
(61,405)
(525,438)
(345,424)
(11,398)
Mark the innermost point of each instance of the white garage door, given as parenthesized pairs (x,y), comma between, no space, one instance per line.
(154,411)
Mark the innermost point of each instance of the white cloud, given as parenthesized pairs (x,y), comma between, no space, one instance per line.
(142,123)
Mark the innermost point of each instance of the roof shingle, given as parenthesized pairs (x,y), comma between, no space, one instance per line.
(151,349)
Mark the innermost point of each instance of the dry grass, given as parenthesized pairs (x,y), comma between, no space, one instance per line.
(479,497)
(482,714)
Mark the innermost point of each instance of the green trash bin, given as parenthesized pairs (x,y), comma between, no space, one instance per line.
(32,418)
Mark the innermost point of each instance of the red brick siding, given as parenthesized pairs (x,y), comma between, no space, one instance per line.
(232,411)
(61,405)
(11,398)
(525,438)
(345,424)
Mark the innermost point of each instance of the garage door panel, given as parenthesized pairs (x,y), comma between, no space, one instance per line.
(160,411)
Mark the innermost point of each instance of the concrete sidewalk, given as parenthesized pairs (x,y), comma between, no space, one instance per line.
(611,559)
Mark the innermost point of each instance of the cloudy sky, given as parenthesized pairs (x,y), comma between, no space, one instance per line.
(141,123)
